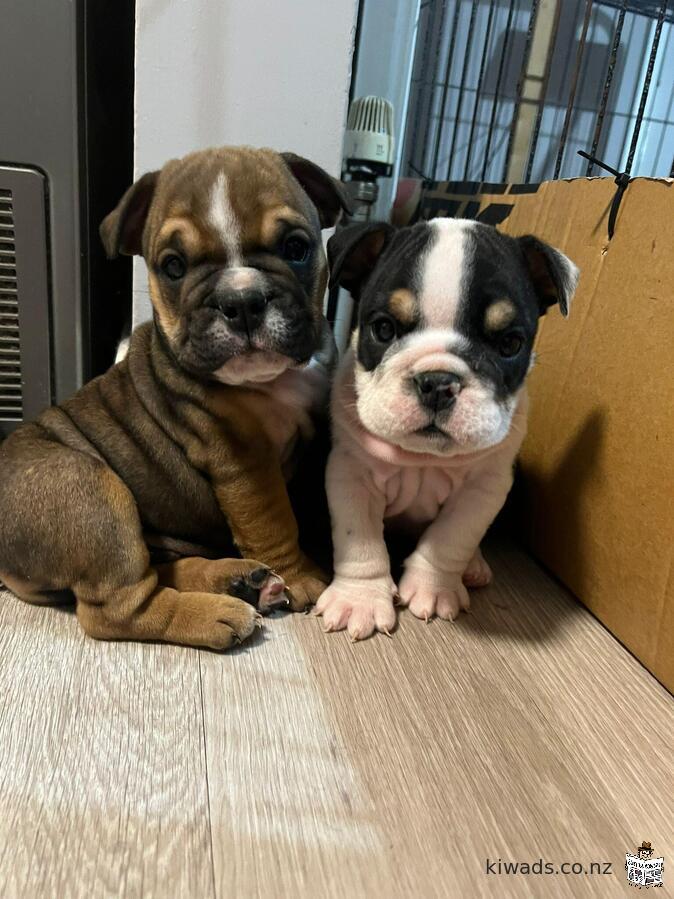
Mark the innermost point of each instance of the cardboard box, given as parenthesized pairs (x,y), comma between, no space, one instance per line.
(597,467)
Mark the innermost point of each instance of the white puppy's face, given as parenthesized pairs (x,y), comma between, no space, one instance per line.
(389,402)
(448,315)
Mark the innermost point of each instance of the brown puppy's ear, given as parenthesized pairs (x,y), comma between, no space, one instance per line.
(328,195)
(552,273)
(354,251)
(122,230)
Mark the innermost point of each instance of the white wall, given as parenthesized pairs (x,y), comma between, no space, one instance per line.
(272,73)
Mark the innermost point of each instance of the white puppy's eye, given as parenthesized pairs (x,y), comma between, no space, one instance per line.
(173,267)
(509,345)
(383,329)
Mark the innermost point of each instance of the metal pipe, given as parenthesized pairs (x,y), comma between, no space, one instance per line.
(431,95)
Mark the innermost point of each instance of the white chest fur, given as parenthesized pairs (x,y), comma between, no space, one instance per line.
(285,405)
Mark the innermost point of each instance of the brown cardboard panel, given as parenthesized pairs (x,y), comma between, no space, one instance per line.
(597,466)
(598,460)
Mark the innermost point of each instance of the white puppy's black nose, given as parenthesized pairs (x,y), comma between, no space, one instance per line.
(437,390)
(243,310)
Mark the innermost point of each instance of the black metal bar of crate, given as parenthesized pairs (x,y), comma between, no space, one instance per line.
(520,87)
(478,89)
(645,89)
(497,87)
(445,86)
(599,124)
(647,8)
(572,90)
(437,31)
(544,91)
(462,86)
(420,86)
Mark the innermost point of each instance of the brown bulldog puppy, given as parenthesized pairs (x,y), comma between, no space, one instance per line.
(182,444)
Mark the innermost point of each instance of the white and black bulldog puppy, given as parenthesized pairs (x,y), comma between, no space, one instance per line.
(429,407)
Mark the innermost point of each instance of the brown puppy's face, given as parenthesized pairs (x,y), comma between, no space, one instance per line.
(237,272)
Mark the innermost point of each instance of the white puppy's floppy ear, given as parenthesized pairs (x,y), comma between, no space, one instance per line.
(354,251)
(328,195)
(552,273)
(122,229)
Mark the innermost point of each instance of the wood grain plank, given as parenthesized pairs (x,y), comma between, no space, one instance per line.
(102,766)
(396,768)
(287,810)
(390,768)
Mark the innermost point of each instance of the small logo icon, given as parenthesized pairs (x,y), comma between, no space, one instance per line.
(642,869)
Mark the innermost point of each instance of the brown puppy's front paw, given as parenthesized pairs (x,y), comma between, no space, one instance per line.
(219,622)
(259,586)
(304,590)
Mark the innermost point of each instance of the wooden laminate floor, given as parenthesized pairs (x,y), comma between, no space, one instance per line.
(303,765)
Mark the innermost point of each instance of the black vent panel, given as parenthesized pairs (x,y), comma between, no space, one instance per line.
(11,392)
(25,340)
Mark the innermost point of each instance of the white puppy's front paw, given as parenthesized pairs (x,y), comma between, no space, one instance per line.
(362,606)
(478,572)
(428,593)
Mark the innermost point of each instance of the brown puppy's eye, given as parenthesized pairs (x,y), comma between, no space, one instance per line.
(383,329)
(509,345)
(296,249)
(173,267)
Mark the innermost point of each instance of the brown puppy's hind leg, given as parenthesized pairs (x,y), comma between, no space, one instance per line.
(33,594)
(70,523)
(145,611)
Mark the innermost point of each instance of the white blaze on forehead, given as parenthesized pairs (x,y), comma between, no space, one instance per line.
(442,272)
(242,277)
(223,220)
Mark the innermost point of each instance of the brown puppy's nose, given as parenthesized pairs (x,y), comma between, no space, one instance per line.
(437,390)
(243,310)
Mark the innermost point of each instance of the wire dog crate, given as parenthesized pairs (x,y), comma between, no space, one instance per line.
(508,90)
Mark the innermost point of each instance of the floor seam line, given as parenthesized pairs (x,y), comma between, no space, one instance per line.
(208,786)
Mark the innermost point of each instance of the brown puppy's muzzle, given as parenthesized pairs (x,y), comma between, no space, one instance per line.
(244,310)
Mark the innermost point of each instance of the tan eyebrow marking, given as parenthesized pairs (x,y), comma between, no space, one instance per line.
(499,315)
(192,238)
(403,305)
(275,219)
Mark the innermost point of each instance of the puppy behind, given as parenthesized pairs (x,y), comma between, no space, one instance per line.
(429,407)
(183,445)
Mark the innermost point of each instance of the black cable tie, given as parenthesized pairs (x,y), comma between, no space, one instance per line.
(622,179)
(426,180)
